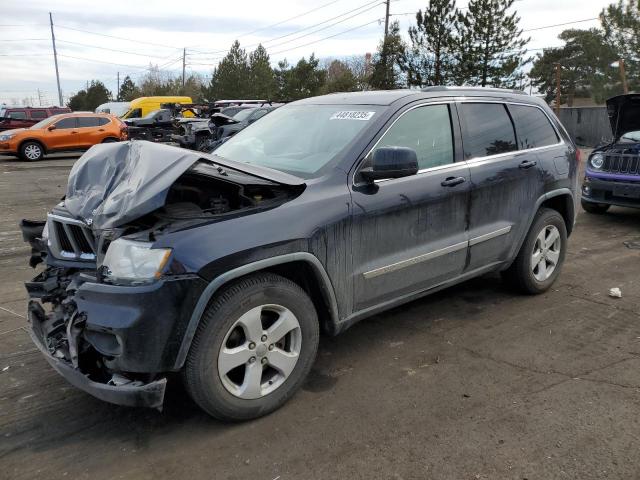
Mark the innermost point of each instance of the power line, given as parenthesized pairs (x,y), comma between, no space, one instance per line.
(561,24)
(25,40)
(377,20)
(112,49)
(108,63)
(367,4)
(119,38)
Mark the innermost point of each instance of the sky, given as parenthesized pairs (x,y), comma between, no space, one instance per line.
(155,32)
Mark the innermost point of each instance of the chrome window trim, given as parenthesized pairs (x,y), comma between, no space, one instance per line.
(376,272)
(454,101)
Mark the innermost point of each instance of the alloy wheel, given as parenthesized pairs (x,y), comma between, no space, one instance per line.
(260,351)
(32,152)
(546,253)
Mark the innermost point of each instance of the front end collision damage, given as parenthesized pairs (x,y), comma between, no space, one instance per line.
(118,341)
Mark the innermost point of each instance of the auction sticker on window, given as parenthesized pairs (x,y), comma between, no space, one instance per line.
(352,115)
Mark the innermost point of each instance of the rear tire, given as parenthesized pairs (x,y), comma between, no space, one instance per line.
(31,151)
(541,256)
(595,208)
(239,366)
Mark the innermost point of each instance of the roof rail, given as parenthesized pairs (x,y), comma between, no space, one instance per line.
(441,88)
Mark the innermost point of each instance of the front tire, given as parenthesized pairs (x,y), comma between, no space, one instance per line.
(541,256)
(31,151)
(595,208)
(253,349)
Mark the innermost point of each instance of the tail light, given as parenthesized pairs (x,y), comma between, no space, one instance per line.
(578,155)
(123,131)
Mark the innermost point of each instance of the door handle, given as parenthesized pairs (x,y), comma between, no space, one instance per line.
(101,129)
(452,181)
(73,131)
(528,164)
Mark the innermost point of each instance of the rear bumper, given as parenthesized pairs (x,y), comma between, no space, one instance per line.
(611,192)
(149,395)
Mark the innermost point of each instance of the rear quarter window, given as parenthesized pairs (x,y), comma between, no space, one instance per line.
(532,127)
(84,122)
(487,130)
(103,121)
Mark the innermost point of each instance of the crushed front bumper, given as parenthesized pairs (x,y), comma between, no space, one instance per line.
(149,395)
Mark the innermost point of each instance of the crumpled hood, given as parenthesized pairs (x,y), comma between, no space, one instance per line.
(115,183)
(624,114)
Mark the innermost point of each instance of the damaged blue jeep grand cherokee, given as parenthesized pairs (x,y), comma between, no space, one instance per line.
(226,267)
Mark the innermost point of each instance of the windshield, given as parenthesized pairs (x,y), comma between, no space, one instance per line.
(243,114)
(43,123)
(298,139)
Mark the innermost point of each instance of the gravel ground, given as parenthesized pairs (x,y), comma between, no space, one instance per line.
(475,382)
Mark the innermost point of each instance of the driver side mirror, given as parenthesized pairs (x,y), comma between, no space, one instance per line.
(51,127)
(391,162)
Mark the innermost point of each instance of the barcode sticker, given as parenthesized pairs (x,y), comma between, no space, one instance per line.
(352,115)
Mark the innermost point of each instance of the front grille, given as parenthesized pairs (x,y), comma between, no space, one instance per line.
(621,161)
(70,239)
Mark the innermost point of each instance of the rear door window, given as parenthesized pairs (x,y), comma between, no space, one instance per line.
(38,114)
(69,122)
(102,121)
(427,130)
(488,130)
(84,122)
(533,127)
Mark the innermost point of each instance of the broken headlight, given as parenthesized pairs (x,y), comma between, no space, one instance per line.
(597,160)
(132,261)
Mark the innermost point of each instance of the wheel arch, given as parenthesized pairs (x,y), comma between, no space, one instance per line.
(561,201)
(35,140)
(302,268)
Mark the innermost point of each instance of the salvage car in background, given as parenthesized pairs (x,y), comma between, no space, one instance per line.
(225,267)
(613,170)
(60,133)
(25,117)
(114,108)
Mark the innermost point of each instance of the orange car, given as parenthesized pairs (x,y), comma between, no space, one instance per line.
(64,132)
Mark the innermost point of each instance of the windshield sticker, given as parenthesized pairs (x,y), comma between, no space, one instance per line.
(352,115)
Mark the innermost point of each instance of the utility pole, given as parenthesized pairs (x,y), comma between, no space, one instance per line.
(39,97)
(623,76)
(118,91)
(55,59)
(184,64)
(386,20)
(557,89)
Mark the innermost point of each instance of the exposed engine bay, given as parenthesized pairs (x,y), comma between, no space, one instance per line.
(134,192)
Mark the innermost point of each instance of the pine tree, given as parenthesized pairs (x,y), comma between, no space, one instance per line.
(128,90)
(431,57)
(89,99)
(586,61)
(491,48)
(262,76)
(386,72)
(303,80)
(621,24)
(231,78)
